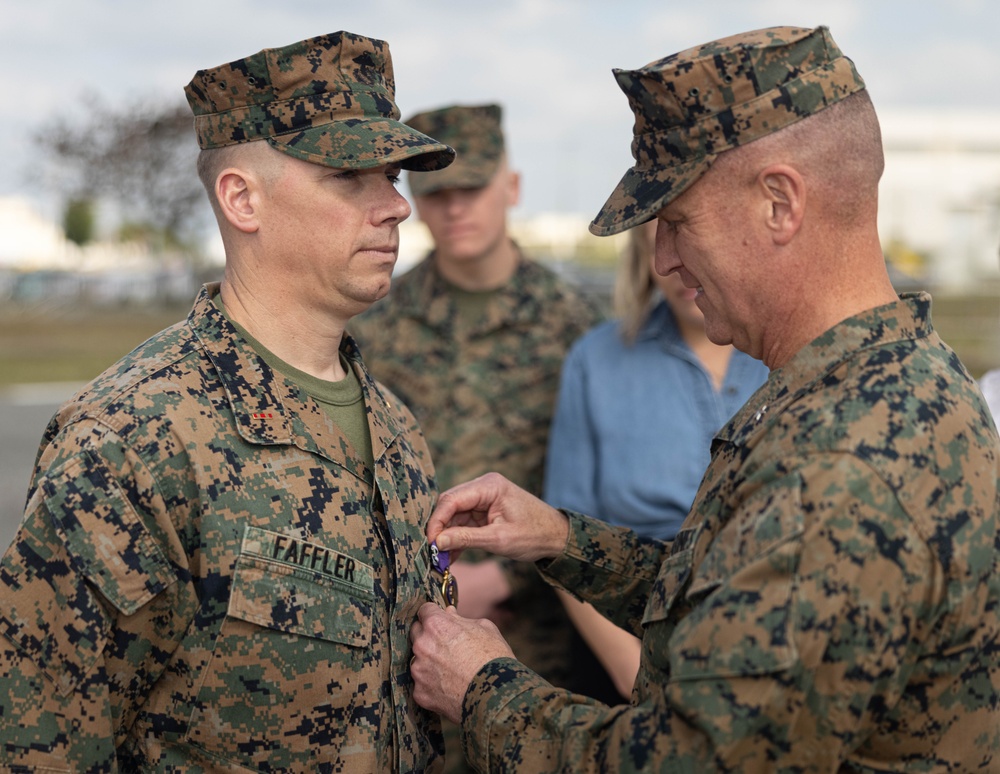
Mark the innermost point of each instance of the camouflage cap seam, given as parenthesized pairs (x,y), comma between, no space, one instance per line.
(680,136)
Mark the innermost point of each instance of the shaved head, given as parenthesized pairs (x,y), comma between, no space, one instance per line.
(838,150)
(257,157)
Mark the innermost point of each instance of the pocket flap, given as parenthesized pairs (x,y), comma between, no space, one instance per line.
(106,541)
(763,522)
(673,575)
(302,587)
(741,623)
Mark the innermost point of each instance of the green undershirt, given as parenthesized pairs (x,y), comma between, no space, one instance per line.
(470,306)
(342,401)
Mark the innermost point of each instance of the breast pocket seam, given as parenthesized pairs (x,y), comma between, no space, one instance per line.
(285,581)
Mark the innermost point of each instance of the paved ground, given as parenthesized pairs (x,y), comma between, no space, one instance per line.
(24,412)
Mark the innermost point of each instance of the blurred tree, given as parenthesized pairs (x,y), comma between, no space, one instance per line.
(139,157)
(78,220)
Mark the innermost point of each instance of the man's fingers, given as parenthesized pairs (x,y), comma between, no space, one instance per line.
(474,497)
(459,538)
(426,610)
(441,518)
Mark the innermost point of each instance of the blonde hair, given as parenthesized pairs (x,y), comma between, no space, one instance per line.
(634,290)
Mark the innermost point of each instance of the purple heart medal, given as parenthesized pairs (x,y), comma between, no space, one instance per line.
(442,563)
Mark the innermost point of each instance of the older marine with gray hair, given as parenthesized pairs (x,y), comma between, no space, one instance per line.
(832,601)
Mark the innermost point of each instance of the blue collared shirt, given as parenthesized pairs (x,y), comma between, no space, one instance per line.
(634,424)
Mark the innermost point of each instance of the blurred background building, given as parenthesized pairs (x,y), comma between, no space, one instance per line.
(939,219)
(939,201)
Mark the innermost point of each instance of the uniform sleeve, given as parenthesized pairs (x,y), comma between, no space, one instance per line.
(88,612)
(781,648)
(612,568)
(571,464)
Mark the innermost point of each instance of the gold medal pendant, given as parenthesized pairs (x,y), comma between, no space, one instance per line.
(442,563)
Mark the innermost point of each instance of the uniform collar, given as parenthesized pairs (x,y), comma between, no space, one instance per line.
(269,409)
(426,296)
(909,318)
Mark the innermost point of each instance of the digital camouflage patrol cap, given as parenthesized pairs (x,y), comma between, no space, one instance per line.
(328,100)
(475,134)
(694,105)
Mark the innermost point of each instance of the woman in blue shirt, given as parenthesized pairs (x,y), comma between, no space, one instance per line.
(640,399)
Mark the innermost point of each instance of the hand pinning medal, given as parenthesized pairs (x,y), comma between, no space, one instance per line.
(442,562)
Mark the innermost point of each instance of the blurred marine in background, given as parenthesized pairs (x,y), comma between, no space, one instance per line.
(472,339)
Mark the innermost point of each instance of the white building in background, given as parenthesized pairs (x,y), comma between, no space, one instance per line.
(37,261)
(940,195)
(939,205)
(29,242)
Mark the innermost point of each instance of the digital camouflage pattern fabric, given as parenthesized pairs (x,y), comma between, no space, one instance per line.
(207,578)
(832,602)
(484,399)
(691,106)
(328,100)
(474,131)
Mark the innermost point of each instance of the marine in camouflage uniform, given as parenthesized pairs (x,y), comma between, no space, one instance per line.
(211,575)
(832,602)
(483,392)
(483,388)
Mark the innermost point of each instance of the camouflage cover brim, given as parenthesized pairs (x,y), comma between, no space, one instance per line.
(363,143)
(642,193)
(460,174)
(692,106)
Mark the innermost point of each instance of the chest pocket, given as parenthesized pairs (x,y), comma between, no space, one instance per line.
(291,657)
(301,587)
(670,582)
(734,617)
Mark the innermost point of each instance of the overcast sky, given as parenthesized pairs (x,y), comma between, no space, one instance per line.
(548,62)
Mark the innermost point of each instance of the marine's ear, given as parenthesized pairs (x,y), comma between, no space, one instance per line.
(513,187)
(784,190)
(234,191)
